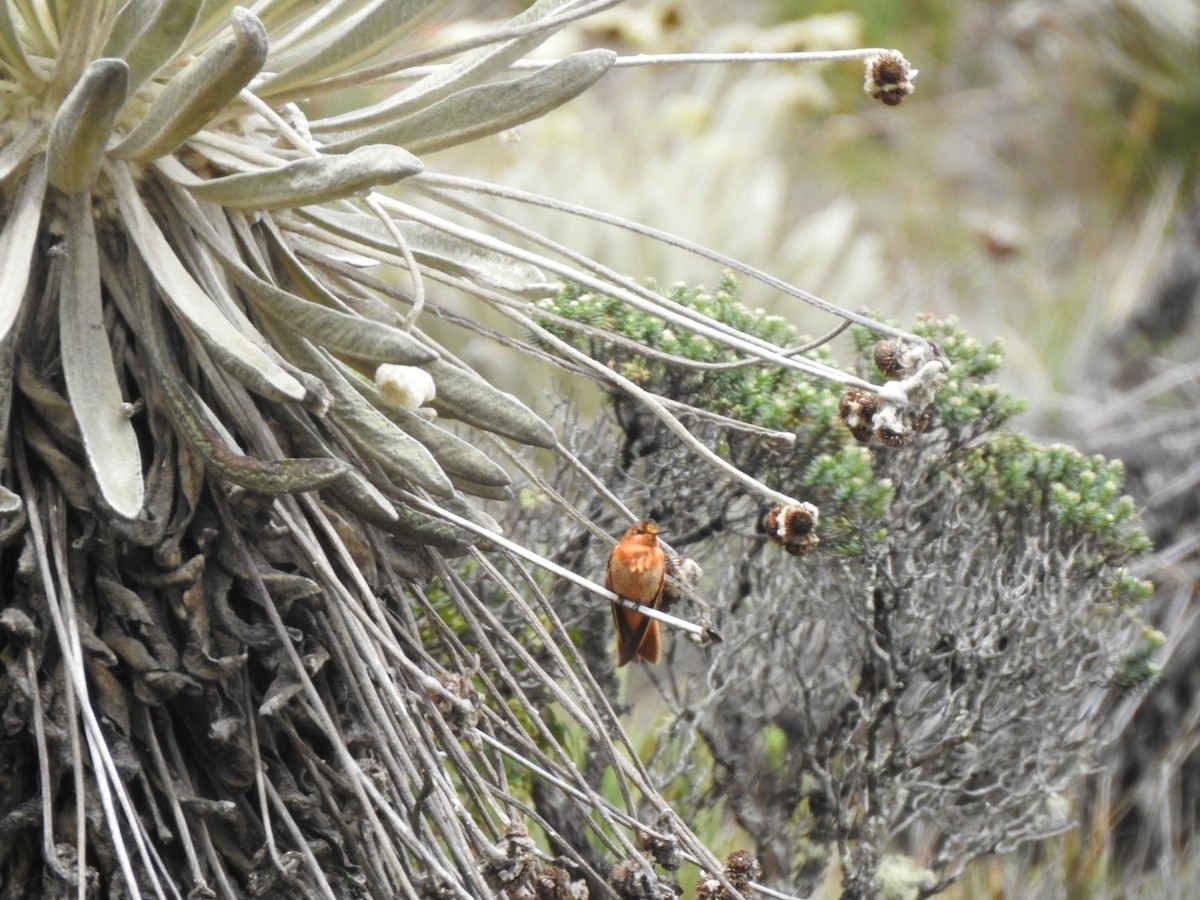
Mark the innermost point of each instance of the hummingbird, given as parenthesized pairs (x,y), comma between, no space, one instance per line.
(637,570)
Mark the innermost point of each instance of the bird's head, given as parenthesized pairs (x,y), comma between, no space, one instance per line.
(647,530)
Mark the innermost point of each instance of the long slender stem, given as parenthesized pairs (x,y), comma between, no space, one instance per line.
(473,185)
(690,59)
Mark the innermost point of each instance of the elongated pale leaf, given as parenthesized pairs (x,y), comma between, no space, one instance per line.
(463,395)
(486,491)
(488,108)
(20,148)
(426,530)
(347,43)
(293,24)
(345,333)
(12,51)
(467,70)
(287,266)
(440,251)
(75,44)
(96,401)
(128,23)
(160,39)
(190,417)
(313,245)
(82,125)
(246,359)
(17,242)
(308,181)
(460,507)
(199,92)
(363,498)
(214,15)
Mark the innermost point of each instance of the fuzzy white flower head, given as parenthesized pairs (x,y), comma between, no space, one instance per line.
(405,386)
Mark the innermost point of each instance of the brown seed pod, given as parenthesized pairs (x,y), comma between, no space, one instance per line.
(793,527)
(857,410)
(889,77)
(708,888)
(887,359)
(741,868)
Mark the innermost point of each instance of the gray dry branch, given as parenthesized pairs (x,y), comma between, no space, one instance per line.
(943,688)
(924,678)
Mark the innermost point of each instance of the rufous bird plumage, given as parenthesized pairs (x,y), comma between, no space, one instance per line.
(637,570)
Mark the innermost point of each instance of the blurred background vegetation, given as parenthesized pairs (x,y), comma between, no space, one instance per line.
(1029,186)
(1039,186)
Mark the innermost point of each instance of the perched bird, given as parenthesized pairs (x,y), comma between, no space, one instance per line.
(637,570)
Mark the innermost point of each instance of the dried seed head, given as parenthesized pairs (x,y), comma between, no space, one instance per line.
(665,853)
(857,410)
(708,888)
(557,882)
(889,77)
(922,386)
(887,359)
(902,407)
(686,573)
(631,879)
(794,528)
(741,868)
(903,356)
(894,425)
(664,850)
(513,866)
